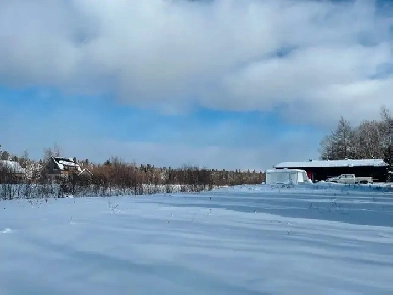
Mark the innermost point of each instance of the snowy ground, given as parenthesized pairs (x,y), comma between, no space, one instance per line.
(243,240)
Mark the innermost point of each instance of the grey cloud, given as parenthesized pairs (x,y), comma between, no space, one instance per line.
(157,53)
(335,79)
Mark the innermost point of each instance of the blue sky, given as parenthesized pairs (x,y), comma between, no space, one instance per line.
(223,84)
(84,126)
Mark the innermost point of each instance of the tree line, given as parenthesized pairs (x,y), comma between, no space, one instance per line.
(113,177)
(371,139)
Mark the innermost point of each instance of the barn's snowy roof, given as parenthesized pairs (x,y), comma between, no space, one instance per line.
(283,170)
(333,163)
(12,166)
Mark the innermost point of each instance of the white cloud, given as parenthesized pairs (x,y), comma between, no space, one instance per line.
(218,54)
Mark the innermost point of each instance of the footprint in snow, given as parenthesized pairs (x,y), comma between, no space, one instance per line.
(6,231)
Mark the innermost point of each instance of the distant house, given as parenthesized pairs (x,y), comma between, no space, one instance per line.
(321,170)
(12,168)
(58,167)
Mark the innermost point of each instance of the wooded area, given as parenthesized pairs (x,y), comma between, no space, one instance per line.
(114,176)
(369,140)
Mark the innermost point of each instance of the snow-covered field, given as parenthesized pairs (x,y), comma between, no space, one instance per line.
(242,240)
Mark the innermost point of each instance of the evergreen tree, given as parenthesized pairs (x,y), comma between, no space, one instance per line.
(5,155)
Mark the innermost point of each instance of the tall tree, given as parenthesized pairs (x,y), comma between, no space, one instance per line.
(343,140)
(326,148)
(387,142)
(368,137)
(24,159)
(54,151)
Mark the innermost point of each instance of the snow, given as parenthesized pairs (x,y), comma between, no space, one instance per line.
(313,239)
(66,163)
(334,163)
(12,166)
(62,162)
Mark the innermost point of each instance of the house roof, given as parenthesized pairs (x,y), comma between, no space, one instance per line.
(12,166)
(61,162)
(86,171)
(334,163)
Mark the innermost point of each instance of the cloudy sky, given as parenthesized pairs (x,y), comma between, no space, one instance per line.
(221,83)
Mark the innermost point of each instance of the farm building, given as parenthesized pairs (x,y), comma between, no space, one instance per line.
(318,170)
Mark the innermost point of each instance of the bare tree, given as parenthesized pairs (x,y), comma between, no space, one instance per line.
(368,137)
(54,151)
(343,141)
(387,141)
(371,139)
(326,148)
(385,113)
(24,159)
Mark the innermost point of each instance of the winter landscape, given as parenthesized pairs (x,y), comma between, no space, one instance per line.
(251,239)
(196,147)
